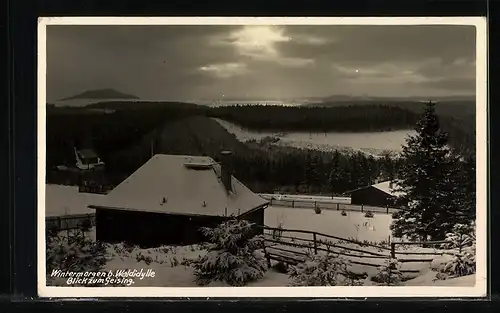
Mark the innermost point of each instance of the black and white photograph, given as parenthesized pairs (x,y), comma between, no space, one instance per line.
(255,154)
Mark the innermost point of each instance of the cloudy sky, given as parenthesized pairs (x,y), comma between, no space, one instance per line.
(207,62)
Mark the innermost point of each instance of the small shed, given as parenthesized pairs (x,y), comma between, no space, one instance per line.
(87,159)
(378,195)
(169,198)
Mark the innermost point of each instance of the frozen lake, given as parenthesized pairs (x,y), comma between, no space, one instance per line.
(371,143)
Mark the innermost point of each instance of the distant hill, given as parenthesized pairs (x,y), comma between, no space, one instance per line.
(101,94)
(397,99)
(140,105)
(451,106)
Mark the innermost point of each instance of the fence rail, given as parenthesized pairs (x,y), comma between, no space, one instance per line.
(422,243)
(292,249)
(68,222)
(328,205)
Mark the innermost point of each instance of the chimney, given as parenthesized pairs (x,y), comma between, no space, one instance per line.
(226,169)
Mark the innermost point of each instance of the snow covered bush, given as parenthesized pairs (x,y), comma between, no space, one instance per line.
(440,276)
(73,252)
(389,273)
(85,226)
(344,213)
(317,210)
(232,256)
(463,240)
(281,267)
(369,214)
(280,221)
(462,236)
(462,264)
(277,233)
(321,270)
(144,258)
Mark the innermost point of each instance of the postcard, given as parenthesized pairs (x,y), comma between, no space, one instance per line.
(262,157)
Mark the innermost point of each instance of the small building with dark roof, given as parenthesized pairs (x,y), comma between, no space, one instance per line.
(87,159)
(169,198)
(377,195)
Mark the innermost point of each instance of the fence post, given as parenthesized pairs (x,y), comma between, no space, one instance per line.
(361,208)
(315,204)
(337,206)
(293,203)
(315,244)
(387,209)
(266,254)
(393,250)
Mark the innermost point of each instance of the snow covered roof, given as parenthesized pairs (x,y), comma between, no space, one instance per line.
(179,184)
(87,153)
(67,200)
(386,187)
(383,186)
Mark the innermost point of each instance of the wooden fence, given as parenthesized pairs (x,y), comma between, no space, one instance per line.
(418,243)
(330,205)
(69,222)
(292,249)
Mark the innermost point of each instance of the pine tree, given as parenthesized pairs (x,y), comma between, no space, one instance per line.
(465,199)
(356,170)
(233,255)
(309,171)
(426,181)
(317,175)
(387,168)
(336,177)
(321,270)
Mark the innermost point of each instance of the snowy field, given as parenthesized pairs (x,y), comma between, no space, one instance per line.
(66,200)
(331,222)
(369,143)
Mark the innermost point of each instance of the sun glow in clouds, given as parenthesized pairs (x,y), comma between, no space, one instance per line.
(258,43)
(225,70)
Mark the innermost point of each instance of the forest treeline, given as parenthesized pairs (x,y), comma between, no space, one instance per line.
(126,139)
(372,118)
(459,122)
(353,118)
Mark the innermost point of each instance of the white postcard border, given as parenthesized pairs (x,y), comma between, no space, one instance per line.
(480,288)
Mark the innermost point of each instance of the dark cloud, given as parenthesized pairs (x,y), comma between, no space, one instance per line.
(466,85)
(381,43)
(190,62)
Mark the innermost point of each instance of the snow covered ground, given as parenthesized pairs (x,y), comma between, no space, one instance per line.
(170,264)
(66,200)
(168,261)
(368,143)
(429,279)
(331,222)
